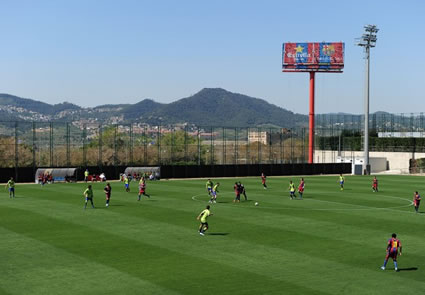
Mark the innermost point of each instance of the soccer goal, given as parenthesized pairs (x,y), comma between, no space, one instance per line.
(50,175)
(152,173)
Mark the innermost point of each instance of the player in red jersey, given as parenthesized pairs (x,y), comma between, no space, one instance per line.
(393,249)
(237,189)
(107,191)
(301,188)
(142,190)
(416,201)
(375,185)
(263,180)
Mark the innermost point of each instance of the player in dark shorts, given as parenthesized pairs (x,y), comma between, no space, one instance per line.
(203,218)
(11,185)
(243,192)
(263,180)
(237,189)
(88,194)
(142,190)
(416,201)
(301,188)
(393,249)
(375,185)
(107,191)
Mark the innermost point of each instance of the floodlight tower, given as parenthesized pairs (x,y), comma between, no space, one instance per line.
(367,40)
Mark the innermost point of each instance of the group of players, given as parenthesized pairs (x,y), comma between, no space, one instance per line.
(88,193)
(393,249)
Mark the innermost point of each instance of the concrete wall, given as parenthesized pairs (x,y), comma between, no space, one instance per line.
(396,161)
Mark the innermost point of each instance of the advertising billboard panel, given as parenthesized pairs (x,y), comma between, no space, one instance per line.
(313,57)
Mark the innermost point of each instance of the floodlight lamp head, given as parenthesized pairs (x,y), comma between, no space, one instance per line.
(371,28)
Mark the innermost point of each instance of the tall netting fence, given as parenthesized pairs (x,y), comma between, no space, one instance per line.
(387,132)
(76,144)
(65,144)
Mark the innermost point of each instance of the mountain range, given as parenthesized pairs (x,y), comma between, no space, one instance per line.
(208,107)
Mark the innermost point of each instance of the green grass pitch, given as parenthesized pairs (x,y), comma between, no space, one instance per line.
(332,242)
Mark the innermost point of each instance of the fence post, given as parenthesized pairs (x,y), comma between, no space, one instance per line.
(292,146)
(115,145)
(68,143)
(158,139)
(248,147)
(85,145)
(100,159)
(131,145)
(173,130)
(270,145)
(16,151)
(282,157)
(186,158)
(199,147)
(223,152)
(51,144)
(236,146)
(259,144)
(33,147)
(145,146)
(303,146)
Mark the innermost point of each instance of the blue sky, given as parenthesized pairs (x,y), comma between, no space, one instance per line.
(97,52)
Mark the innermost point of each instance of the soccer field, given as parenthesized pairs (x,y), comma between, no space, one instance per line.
(332,242)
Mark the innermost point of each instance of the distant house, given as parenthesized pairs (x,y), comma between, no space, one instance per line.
(259,136)
(266,137)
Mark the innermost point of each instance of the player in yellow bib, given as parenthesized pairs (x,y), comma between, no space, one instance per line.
(214,193)
(209,185)
(88,194)
(86,175)
(203,218)
(291,190)
(11,185)
(127,184)
(341,181)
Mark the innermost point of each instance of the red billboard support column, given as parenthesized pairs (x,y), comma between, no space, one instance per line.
(311,121)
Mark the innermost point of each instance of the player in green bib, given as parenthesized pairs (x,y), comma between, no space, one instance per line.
(341,181)
(209,185)
(214,193)
(88,194)
(86,175)
(291,190)
(203,218)
(11,186)
(127,184)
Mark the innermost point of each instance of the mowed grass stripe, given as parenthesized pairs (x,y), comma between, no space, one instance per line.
(35,267)
(150,263)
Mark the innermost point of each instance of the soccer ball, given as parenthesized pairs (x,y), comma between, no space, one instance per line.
(256,203)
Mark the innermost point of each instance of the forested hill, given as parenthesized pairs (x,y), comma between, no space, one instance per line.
(208,107)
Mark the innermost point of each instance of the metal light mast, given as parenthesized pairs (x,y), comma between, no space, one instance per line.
(367,40)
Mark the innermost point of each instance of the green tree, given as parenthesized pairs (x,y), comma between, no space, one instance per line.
(181,148)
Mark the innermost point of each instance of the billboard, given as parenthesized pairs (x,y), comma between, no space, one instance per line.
(313,57)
